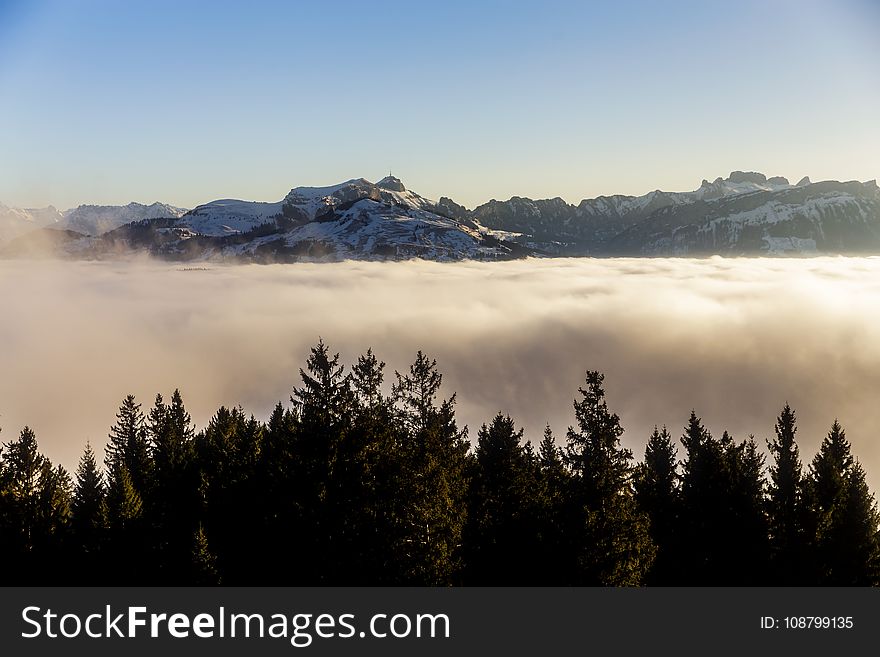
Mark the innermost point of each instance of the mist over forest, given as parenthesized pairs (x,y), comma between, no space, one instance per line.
(733,339)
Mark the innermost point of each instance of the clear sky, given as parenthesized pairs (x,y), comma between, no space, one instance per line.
(185,102)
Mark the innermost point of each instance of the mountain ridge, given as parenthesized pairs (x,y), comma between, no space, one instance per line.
(746,213)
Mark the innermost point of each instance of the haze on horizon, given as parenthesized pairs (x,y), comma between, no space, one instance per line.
(189,102)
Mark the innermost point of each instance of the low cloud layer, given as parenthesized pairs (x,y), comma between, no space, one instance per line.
(733,339)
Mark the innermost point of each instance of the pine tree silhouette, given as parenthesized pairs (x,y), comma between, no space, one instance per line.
(786,509)
(656,486)
(845,518)
(89,519)
(612,544)
(502,513)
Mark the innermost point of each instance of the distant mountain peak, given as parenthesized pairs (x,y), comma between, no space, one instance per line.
(391,183)
(99,219)
(803,182)
(747,177)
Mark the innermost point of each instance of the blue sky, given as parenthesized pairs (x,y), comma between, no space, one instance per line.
(184,102)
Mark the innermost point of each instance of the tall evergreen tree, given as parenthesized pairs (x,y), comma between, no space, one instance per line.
(844,515)
(89,521)
(434,453)
(129,445)
(747,552)
(227,455)
(656,486)
(702,501)
(612,541)
(21,469)
(366,488)
(278,507)
(554,485)
(502,514)
(324,399)
(323,406)
(35,511)
(785,508)
(724,535)
(171,431)
(174,502)
(857,522)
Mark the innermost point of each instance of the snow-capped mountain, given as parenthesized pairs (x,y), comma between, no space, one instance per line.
(229,217)
(740,182)
(604,216)
(18,221)
(355,219)
(89,220)
(300,206)
(827,217)
(745,213)
(98,219)
(771,214)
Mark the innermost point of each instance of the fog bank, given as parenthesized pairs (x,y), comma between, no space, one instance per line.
(733,339)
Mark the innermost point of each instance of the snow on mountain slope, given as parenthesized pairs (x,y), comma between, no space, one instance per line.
(746,213)
(740,182)
(356,200)
(620,221)
(355,219)
(302,204)
(18,221)
(316,201)
(99,219)
(310,203)
(230,216)
(374,229)
(828,216)
(359,219)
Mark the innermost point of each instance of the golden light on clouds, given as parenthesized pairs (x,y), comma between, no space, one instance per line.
(733,339)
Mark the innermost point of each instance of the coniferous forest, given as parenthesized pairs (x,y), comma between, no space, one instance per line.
(352,486)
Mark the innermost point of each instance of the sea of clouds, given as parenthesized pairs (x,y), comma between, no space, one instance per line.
(733,339)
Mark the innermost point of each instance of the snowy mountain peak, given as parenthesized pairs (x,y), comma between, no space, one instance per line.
(747,177)
(391,183)
(99,219)
(739,182)
(343,192)
(17,221)
(353,219)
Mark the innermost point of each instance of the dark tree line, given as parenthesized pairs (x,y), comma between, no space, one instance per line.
(351,485)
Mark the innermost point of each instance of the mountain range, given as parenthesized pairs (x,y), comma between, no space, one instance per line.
(90,220)
(746,213)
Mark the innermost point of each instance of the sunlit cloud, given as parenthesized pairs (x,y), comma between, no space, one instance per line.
(732,339)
